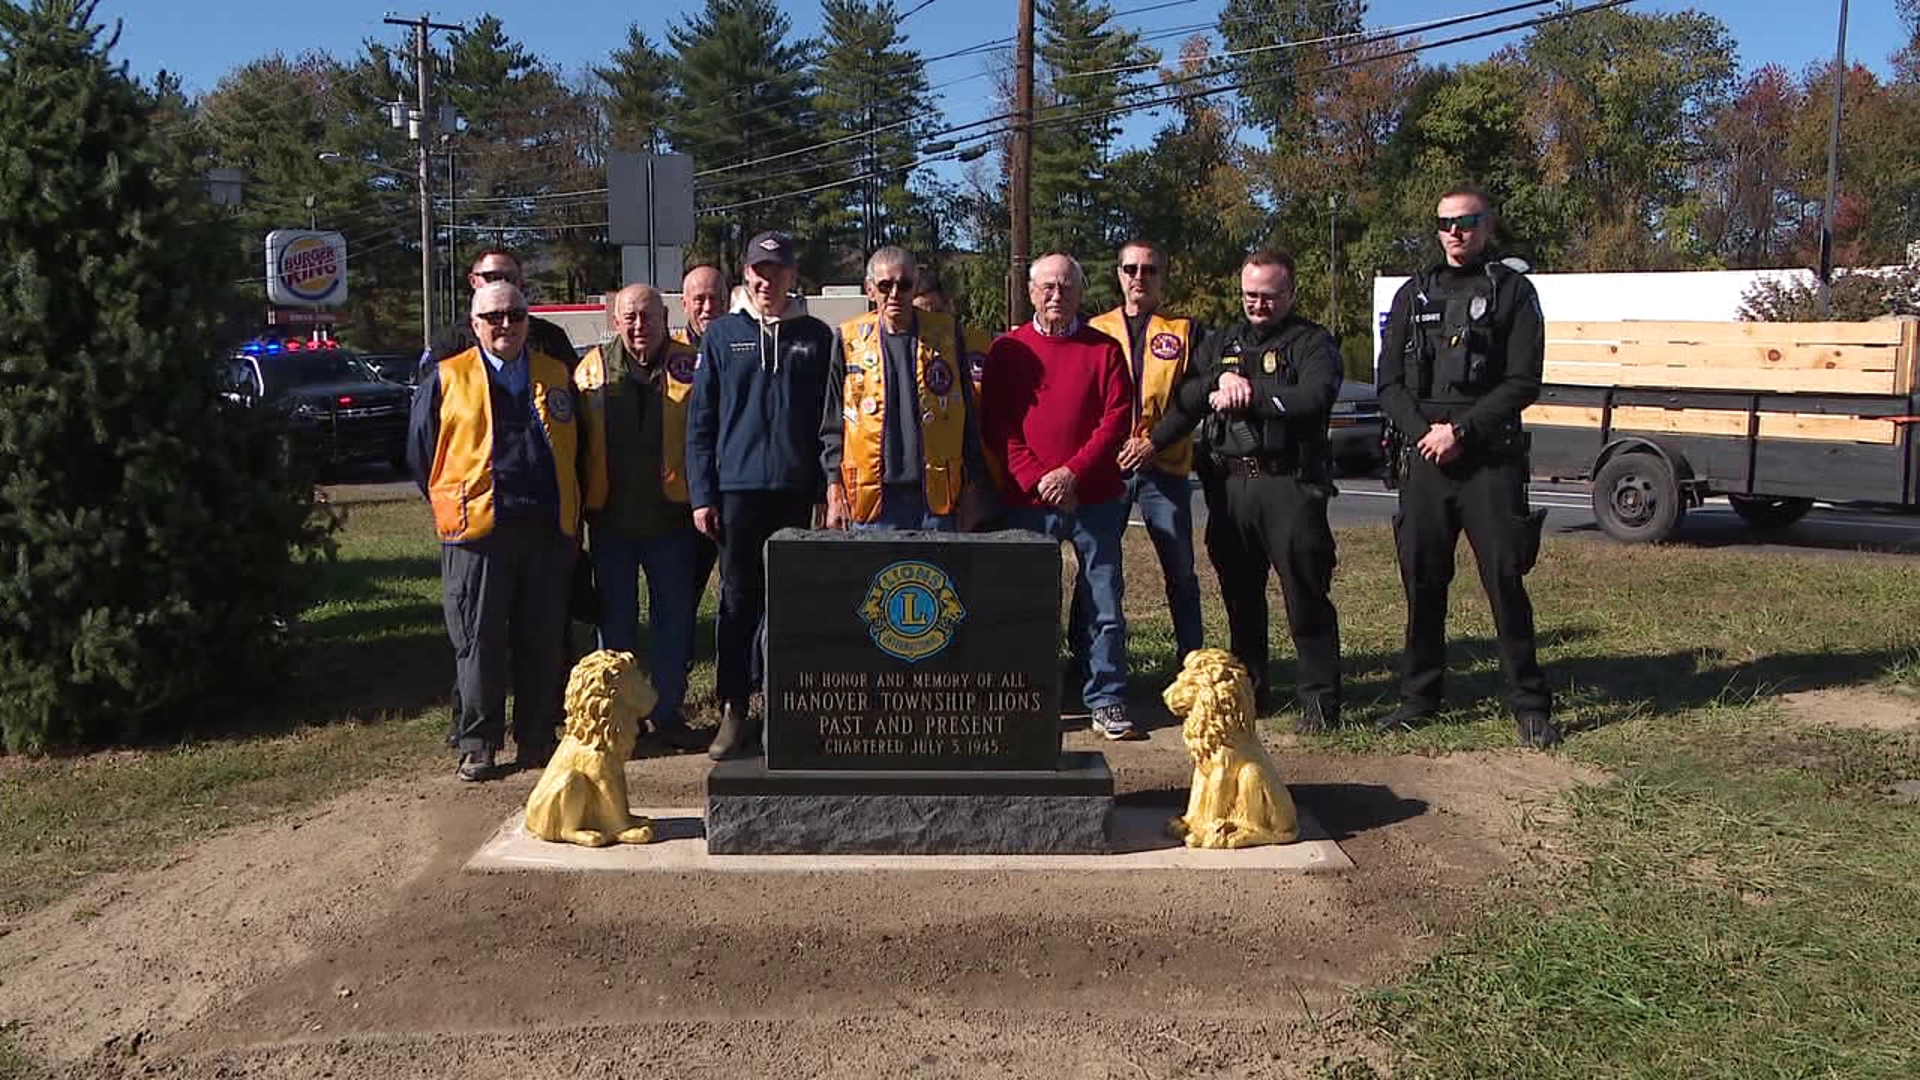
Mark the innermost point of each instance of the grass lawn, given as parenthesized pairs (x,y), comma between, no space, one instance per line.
(1746,904)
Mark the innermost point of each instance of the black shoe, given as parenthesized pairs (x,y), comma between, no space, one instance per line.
(1537,731)
(475,766)
(731,739)
(1406,717)
(1316,717)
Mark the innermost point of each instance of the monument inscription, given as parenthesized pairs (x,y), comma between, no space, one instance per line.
(912,651)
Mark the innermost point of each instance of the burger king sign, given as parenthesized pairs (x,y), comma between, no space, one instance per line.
(306,268)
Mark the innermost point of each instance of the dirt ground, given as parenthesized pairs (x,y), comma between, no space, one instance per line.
(1855,707)
(347,942)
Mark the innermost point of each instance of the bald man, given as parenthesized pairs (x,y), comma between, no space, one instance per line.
(634,391)
(703,296)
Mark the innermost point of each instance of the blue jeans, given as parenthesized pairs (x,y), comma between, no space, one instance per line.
(904,506)
(1166,508)
(668,562)
(1095,533)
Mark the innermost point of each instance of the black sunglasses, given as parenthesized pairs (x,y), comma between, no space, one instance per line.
(1140,270)
(890,286)
(511,317)
(1463,222)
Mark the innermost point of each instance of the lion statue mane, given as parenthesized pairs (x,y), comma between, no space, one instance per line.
(1237,799)
(582,797)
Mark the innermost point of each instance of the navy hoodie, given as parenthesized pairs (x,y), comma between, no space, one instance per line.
(753,423)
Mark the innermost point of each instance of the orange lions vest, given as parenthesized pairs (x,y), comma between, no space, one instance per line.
(460,485)
(943,412)
(1169,342)
(676,388)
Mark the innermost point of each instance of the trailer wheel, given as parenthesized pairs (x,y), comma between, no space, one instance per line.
(1636,499)
(1762,512)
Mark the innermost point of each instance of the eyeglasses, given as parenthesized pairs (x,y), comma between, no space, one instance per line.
(510,317)
(1463,222)
(1048,288)
(1263,297)
(890,286)
(1140,270)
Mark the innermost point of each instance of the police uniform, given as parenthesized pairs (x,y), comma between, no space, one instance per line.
(1464,346)
(1269,467)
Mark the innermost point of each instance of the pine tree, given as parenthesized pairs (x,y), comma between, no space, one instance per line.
(148,537)
(873,92)
(637,88)
(1090,67)
(741,93)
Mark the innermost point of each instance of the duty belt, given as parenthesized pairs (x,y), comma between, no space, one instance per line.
(1254,466)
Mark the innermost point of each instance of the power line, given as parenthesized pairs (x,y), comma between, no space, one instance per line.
(1556,16)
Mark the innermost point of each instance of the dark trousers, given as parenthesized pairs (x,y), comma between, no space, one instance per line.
(1279,522)
(1488,499)
(747,519)
(505,598)
(1243,579)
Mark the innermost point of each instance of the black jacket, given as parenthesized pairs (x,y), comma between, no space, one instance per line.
(1295,370)
(1513,357)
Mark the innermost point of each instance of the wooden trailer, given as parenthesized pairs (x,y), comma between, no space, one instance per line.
(1660,416)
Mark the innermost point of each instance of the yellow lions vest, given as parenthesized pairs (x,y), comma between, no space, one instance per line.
(1169,342)
(460,485)
(943,412)
(676,387)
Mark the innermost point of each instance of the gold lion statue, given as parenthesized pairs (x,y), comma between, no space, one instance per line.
(1237,799)
(582,797)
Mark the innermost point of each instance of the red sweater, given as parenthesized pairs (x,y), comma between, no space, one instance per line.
(1052,401)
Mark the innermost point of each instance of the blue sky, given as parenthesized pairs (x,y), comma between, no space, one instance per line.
(201,40)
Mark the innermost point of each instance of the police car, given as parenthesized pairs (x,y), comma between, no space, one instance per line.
(335,406)
(1355,428)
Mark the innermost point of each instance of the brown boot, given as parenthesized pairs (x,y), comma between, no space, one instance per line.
(732,736)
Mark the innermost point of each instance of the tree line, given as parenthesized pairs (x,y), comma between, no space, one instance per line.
(1614,139)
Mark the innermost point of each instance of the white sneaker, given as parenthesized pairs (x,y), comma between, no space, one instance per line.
(1111,721)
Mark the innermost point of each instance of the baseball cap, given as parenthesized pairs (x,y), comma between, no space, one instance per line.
(771,246)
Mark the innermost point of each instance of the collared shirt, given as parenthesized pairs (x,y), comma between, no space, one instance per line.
(513,374)
(1072,328)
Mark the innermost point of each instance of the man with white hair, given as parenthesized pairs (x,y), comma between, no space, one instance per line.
(900,441)
(493,445)
(633,393)
(1055,406)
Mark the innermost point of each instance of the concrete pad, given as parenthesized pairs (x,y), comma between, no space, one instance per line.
(680,847)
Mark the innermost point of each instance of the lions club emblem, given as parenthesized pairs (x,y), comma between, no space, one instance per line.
(939,377)
(680,367)
(1165,346)
(560,404)
(911,610)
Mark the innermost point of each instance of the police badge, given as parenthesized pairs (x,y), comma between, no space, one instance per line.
(1270,361)
(1476,307)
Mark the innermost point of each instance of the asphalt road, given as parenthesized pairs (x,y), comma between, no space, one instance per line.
(1569,513)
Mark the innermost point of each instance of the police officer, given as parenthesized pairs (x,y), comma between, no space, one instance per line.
(1265,387)
(1462,357)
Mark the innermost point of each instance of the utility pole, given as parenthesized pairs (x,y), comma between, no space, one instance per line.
(419,129)
(1333,264)
(1020,168)
(1833,170)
